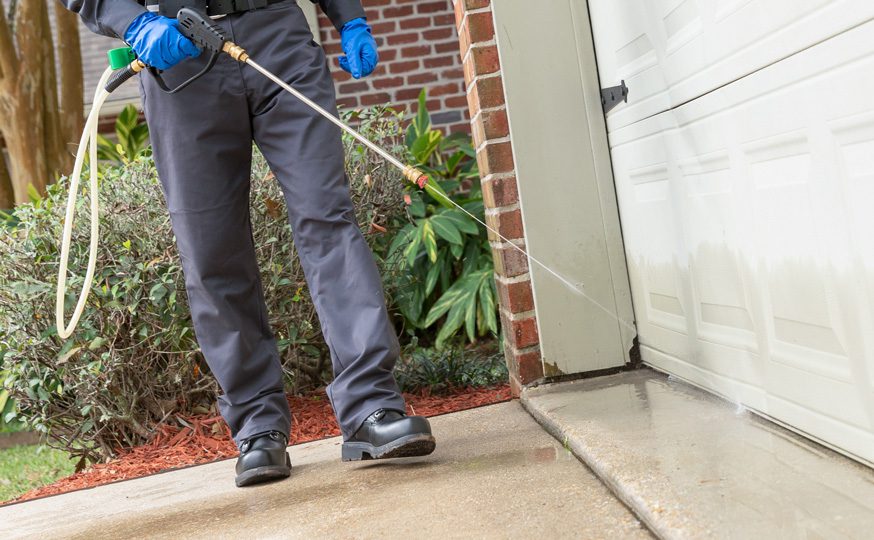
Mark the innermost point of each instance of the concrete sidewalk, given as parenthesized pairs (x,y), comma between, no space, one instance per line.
(495,474)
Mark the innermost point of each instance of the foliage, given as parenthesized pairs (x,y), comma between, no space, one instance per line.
(7,404)
(134,362)
(23,468)
(131,137)
(442,255)
(440,371)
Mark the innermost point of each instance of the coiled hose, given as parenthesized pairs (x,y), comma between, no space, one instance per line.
(88,143)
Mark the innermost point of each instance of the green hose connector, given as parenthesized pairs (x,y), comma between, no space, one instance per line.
(120,57)
(125,64)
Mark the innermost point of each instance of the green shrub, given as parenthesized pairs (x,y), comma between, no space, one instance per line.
(133,362)
(131,138)
(442,255)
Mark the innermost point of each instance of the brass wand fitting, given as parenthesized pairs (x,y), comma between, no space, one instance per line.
(235,51)
(415,176)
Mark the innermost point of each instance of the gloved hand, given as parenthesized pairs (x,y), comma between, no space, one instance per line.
(360,48)
(158,41)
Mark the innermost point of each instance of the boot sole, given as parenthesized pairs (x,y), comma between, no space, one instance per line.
(267,473)
(416,445)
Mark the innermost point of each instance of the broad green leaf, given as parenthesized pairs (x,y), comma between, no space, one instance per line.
(423,118)
(455,140)
(429,239)
(434,273)
(442,305)
(439,195)
(470,310)
(417,207)
(456,250)
(472,252)
(412,135)
(452,163)
(425,145)
(404,237)
(488,306)
(445,227)
(463,222)
(453,322)
(475,207)
(412,250)
(410,300)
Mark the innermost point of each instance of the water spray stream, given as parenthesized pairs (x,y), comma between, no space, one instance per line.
(421,181)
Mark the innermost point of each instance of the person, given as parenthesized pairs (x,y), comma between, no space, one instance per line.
(202,146)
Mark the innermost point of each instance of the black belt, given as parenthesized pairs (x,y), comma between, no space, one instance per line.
(213,8)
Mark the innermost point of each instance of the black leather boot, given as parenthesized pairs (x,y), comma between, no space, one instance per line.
(263,457)
(390,434)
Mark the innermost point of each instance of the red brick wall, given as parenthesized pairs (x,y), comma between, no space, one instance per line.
(491,135)
(418,48)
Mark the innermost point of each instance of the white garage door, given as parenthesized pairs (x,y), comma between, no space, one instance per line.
(744,165)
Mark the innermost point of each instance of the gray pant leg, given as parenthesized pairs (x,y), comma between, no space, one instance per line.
(305,152)
(202,144)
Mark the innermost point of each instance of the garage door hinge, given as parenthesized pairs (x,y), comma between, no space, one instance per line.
(611,97)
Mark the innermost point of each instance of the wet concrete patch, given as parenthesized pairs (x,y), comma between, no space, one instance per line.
(692,465)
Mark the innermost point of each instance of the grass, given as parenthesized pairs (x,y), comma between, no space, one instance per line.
(10,428)
(23,468)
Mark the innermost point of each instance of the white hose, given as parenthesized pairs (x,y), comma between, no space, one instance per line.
(87,143)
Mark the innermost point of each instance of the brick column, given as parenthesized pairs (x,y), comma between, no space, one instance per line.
(491,135)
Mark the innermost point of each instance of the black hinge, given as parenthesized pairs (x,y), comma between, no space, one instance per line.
(613,96)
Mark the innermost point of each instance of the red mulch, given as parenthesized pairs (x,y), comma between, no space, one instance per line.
(208,438)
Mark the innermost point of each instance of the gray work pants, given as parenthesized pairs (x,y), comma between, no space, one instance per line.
(202,142)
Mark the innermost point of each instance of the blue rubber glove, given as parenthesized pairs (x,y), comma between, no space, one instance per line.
(360,48)
(158,41)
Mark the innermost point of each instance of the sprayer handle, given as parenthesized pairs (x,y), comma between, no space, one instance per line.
(201,30)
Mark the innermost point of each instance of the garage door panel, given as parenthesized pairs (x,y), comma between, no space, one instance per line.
(649,185)
(673,51)
(854,143)
(748,224)
(839,400)
(718,287)
(792,254)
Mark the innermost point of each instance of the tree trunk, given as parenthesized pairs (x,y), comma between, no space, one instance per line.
(72,118)
(30,120)
(48,85)
(7,195)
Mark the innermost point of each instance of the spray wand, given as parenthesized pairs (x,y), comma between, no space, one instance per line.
(201,30)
